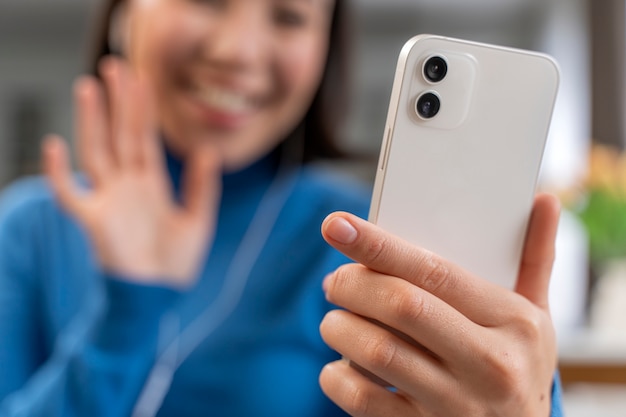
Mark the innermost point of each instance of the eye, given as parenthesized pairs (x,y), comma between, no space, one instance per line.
(213,3)
(289,17)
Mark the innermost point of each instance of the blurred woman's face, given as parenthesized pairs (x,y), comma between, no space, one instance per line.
(240,73)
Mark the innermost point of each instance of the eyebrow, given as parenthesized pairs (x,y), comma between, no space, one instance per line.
(325,2)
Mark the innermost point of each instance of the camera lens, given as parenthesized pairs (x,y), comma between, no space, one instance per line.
(435,69)
(428,105)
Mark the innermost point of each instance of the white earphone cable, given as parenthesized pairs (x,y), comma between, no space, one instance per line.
(187,340)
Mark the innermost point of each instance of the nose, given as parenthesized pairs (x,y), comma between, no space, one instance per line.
(240,38)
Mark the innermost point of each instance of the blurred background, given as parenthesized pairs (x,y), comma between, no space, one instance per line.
(43,46)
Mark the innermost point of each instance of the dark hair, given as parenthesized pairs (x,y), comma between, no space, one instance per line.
(320,127)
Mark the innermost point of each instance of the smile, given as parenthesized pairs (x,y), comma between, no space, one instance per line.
(223,100)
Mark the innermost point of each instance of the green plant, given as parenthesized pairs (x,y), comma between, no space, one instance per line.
(601,205)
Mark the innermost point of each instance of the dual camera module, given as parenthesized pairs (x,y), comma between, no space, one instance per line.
(434,70)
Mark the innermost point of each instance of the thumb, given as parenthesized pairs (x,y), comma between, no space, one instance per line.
(539,251)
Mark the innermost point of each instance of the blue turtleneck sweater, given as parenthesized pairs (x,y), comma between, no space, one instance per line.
(78,341)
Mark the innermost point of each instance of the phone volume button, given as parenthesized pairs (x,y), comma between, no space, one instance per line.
(385,155)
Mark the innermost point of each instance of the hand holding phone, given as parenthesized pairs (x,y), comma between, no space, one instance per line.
(427,306)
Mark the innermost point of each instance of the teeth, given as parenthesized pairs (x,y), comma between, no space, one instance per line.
(223,100)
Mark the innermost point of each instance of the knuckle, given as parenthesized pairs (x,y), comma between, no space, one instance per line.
(506,370)
(409,306)
(380,352)
(374,251)
(358,401)
(436,275)
(529,326)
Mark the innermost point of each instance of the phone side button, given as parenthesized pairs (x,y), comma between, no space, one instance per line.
(385,155)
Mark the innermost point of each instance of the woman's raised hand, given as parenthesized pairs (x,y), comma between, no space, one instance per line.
(450,343)
(129,210)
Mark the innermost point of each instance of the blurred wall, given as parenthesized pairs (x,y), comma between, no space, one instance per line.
(42,44)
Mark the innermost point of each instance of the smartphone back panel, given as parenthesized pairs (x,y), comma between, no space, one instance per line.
(461,183)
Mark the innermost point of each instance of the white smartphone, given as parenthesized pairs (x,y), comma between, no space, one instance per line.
(463,143)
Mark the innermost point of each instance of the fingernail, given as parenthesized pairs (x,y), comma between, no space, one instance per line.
(340,230)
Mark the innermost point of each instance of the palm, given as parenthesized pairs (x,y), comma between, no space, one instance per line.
(129,212)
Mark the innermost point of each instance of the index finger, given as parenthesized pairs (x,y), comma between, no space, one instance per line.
(386,253)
